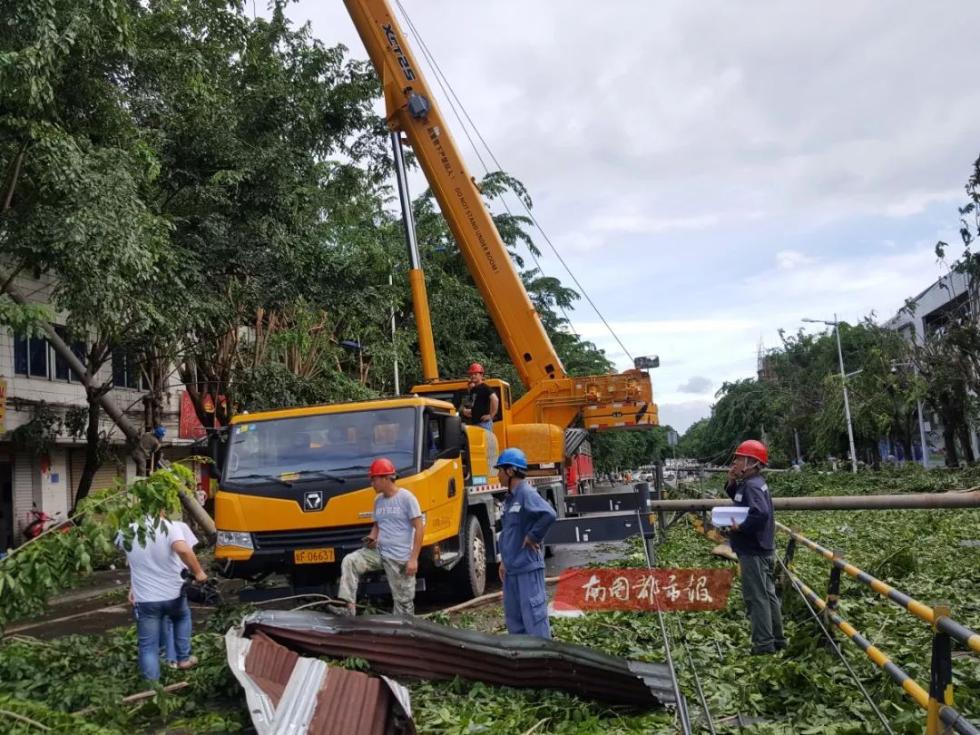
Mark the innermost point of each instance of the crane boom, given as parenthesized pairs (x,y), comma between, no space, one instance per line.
(411,108)
(605,401)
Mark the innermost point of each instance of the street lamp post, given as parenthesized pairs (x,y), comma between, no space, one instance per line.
(918,406)
(843,379)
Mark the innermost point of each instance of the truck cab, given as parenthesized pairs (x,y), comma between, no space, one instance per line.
(295,497)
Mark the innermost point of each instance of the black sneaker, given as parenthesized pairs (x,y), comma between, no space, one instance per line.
(762,651)
(781,645)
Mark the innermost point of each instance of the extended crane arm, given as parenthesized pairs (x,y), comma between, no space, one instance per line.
(411,109)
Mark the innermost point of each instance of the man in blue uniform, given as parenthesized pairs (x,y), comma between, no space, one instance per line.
(753,541)
(525,521)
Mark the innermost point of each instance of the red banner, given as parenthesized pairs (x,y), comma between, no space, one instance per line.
(642,590)
(190,426)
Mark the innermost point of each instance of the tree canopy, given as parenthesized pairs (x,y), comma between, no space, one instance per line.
(211,191)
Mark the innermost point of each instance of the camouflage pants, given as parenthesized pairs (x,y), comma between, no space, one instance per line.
(366,560)
(491,445)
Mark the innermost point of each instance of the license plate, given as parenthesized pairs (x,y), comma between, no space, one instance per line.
(313,556)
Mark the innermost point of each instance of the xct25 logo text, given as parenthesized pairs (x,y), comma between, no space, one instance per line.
(399,54)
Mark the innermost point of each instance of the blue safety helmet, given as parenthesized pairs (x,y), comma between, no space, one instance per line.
(512,457)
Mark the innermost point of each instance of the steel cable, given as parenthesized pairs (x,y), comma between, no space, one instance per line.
(697,678)
(682,713)
(451,95)
(453,99)
(837,648)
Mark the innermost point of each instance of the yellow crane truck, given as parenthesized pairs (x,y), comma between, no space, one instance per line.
(294,495)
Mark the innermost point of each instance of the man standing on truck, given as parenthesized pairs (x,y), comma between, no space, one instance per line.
(525,519)
(481,408)
(753,541)
(393,544)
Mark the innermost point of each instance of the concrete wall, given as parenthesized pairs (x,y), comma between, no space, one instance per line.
(935,297)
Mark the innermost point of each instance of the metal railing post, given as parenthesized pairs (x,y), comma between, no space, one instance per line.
(833,593)
(658,494)
(941,675)
(643,508)
(784,580)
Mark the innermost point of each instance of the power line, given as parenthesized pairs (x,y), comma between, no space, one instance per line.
(450,94)
(445,85)
(837,649)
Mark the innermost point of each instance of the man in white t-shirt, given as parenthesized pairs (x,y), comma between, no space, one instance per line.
(156,591)
(393,544)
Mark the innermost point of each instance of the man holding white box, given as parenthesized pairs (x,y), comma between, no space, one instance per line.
(753,541)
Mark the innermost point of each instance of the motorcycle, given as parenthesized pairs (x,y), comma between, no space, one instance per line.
(43,522)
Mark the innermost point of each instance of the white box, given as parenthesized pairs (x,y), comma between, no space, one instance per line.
(722,516)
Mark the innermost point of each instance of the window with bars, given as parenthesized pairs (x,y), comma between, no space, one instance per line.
(61,369)
(127,372)
(31,356)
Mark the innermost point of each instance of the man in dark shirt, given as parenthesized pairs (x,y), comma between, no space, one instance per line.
(481,408)
(483,402)
(753,541)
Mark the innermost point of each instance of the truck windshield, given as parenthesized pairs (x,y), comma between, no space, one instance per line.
(332,443)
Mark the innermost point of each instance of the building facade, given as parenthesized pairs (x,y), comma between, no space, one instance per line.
(927,312)
(34,381)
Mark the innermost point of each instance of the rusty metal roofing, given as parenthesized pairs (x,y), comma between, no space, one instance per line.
(420,649)
(289,693)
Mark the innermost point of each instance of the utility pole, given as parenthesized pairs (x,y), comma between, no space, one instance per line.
(843,379)
(847,403)
(923,440)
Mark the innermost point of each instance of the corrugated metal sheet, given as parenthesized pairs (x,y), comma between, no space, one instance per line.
(289,693)
(420,649)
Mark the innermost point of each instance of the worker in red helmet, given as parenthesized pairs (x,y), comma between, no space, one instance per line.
(753,541)
(393,545)
(480,408)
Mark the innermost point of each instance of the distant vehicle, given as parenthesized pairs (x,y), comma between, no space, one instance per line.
(580,475)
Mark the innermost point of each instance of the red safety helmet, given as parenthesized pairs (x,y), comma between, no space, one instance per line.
(754,450)
(381,467)
(475,368)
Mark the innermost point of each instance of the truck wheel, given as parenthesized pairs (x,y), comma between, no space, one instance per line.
(470,575)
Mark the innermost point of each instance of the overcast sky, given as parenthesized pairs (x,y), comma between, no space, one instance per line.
(715,171)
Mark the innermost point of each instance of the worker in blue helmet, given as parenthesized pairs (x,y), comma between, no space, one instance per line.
(526,518)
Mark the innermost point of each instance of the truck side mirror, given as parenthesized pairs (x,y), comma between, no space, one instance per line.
(452,438)
(216,450)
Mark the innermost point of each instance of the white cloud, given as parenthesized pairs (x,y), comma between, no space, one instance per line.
(796,160)
(645,225)
(916,202)
(696,384)
(790,259)
(593,330)
(682,415)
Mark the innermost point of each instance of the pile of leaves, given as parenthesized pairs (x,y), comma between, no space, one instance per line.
(77,683)
(911,478)
(804,690)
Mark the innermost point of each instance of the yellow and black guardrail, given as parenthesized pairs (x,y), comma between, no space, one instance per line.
(944,624)
(938,699)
